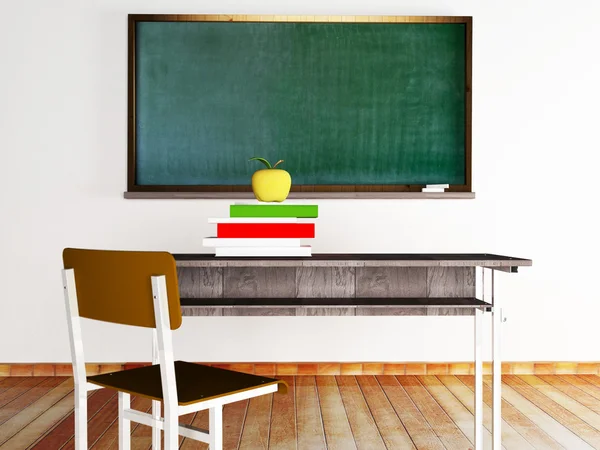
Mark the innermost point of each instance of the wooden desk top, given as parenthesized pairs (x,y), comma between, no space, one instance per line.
(357,260)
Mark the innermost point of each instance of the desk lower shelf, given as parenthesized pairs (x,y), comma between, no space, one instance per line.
(431,306)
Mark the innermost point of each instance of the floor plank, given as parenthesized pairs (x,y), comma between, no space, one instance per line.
(390,426)
(366,434)
(418,428)
(592,385)
(283,419)
(27,398)
(311,435)
(517,420)
(581,428)
(23,422)
(16,388)
(255,435)
(511,439)
(442,425)
(574,392)
(35,420)
(335,421)
(9,382)
(63,432)
(584,384)
(234,416)
(458,412)
(543,421)
(564,399)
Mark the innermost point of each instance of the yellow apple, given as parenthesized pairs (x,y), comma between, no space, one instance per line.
(271,185)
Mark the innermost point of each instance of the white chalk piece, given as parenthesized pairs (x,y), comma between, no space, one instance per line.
(435,188)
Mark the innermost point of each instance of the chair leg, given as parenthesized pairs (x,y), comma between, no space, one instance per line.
(124,424)
(81,438)
(171,428)
(156,414)
(215,424)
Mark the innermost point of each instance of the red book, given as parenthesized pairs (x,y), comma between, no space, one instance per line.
(266,230)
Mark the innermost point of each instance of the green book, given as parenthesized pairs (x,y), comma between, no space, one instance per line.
(301,211)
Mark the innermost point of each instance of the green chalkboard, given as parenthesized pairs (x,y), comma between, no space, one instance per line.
(341,103)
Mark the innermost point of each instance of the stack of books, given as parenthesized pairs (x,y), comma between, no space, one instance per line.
(255,229)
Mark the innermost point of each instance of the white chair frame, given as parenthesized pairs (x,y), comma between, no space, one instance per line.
(162,354)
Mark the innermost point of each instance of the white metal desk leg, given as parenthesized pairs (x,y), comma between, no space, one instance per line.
(155,403)
(497,372)
(478,381)
(215,424)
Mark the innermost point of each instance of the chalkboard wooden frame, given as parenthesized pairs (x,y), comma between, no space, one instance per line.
(135,190)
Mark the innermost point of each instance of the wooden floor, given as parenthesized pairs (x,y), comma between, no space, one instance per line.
(342,412)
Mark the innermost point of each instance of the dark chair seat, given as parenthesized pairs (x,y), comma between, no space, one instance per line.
(195,382)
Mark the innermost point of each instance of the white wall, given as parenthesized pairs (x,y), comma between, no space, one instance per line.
(63,87)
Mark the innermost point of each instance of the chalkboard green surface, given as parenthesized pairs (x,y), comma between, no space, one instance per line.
(341,103)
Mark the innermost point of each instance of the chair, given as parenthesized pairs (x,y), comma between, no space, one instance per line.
(141,289)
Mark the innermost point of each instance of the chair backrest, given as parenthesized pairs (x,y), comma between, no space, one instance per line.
(115,286)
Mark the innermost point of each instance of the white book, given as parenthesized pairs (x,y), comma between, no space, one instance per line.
(304,250)
(253,220)
(263,220)
(250,242)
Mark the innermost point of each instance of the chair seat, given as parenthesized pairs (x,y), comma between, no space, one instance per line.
(195,382)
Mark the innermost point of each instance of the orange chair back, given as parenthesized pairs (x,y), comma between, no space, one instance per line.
(115,286)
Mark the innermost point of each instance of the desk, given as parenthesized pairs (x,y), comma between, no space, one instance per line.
(361,284)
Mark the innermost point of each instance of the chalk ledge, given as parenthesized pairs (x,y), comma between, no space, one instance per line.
(301,195)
